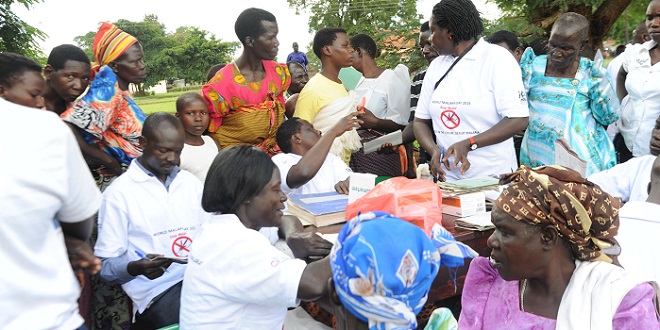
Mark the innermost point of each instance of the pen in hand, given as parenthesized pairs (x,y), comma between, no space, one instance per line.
(144,257)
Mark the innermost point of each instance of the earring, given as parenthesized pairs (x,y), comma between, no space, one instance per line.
(449,36)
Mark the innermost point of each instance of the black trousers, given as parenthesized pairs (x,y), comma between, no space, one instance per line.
(623,154)
(163,311)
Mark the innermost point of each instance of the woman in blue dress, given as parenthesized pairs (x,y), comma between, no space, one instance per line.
(569,97)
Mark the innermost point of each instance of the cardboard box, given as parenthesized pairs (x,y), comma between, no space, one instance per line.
(464,205)
(359,184)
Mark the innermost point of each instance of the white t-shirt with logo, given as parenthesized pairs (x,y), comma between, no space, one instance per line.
(481,90)
(332,171)
(237,280)
(197,159)
(43,181)
(139,214)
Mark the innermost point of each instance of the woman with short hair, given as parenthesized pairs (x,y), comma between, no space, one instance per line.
(246,97)
(547,268)
(569,97)
(386,108)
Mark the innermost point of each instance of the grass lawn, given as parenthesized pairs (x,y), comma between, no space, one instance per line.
(159,102)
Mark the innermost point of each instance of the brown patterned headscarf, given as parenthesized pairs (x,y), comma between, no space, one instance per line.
(583,214)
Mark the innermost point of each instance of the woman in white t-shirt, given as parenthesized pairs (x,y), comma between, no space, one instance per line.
(235,278)
(385,102)
(639,79)
(472,98)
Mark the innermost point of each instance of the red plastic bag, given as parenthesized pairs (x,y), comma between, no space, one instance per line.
(414,200)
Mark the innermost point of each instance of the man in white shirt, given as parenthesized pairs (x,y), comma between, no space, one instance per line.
(639,227)
(154,208)
(307,166)
(47,196)
(630,180)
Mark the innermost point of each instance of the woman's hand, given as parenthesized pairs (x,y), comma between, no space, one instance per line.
(369,119)
(436,170)
(460,150)
(110,167)
(342,187)
(387,148)
(305,244)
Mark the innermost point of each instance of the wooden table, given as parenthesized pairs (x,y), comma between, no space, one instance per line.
(443,287)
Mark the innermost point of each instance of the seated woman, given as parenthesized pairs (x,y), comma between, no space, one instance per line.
(246,97)
(382,270)
(385,95)
(569,97)
(548,270)
(236,279)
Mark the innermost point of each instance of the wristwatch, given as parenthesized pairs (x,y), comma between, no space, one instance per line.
(473,144)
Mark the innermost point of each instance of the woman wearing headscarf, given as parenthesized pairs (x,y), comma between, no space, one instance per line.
(383,268)
(569,97)
(108,123)
(548,269)
(246,97)
(472,98)
(107,116)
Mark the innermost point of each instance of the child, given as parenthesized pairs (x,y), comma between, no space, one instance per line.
(306,166)
(21,81)
(199,150)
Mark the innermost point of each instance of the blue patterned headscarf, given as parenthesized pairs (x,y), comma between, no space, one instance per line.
(383,268)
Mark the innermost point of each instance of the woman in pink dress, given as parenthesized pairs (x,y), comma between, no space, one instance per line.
(547,268)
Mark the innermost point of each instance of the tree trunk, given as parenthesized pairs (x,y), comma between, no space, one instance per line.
(600,21)
(604,18)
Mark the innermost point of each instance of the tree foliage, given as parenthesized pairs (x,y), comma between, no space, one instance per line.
(534,18)
(16,35)
(187,53)
(390,22)
(622,29)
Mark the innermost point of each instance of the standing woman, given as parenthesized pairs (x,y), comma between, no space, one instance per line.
(107,118)
(472,98)
(386,96)
(107,123)
(570,97)
(246,97)
(639,79)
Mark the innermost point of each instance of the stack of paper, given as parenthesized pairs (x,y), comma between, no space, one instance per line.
(465,186)
(478,222)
